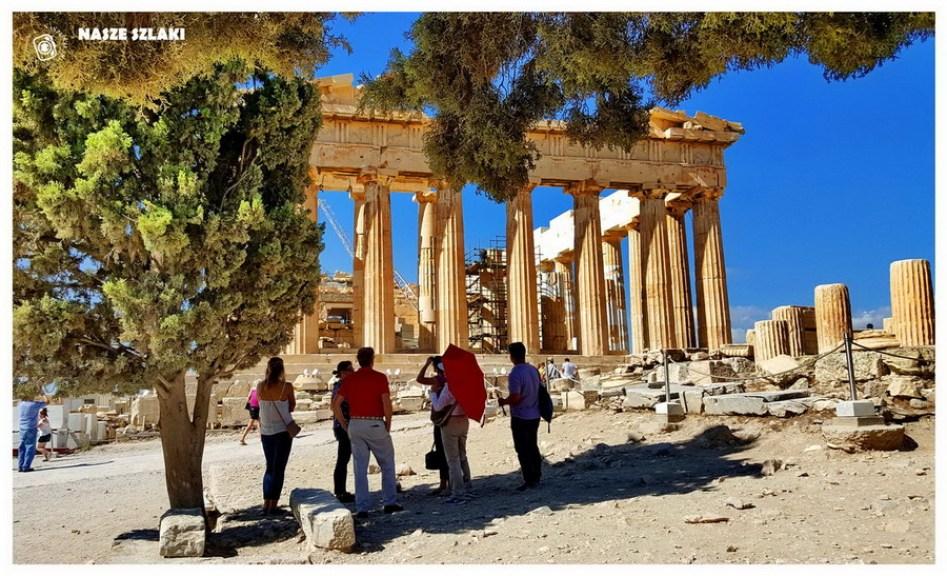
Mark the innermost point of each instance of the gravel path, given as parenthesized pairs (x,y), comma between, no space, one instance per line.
(616,489)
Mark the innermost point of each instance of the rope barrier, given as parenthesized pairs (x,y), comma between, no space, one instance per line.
(764,376)
(921,360)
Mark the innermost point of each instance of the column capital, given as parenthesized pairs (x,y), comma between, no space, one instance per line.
(428,197)
(677,203)
(584,188)
(381,176)
(613,235)
(653,190)
(707,193)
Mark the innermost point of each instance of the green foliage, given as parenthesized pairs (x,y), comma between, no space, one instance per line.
(489,76)
(287,43)
(152,241)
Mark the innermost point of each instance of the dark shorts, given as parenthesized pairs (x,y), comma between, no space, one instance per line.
(45,438)
(254,413)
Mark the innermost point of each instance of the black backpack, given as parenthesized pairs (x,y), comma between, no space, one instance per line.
(545,405)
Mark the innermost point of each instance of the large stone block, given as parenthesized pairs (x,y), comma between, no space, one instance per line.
(182,533)
(233,412)
(573,401)
(145,412)
(735,404)
(325,522)
(858,438)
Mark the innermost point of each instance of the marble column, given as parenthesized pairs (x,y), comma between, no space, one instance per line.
(713,308)
(358,268)
(563,271)
(451,296)
(681,305)
(615,295)
(427,272)
(833,315)
(771,339)
(656,270)
(912,302)
(637,301)
(795,317)
(552,306)
(523,308)
(378,310)
(306,331)
(590,274)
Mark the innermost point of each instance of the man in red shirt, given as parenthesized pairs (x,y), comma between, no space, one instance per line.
(369,429)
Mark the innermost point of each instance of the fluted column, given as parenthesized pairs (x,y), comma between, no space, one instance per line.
(912,302)
(833,315)
(713,308)
(451,300)
(427,272)
(378,311)
(636,291)
(656,270)
(681,305)
(523,315)
(358,268)
(563,271)
(590,275)
(552,306)
(306,331)
(615,295)
(795,317)
(771,339)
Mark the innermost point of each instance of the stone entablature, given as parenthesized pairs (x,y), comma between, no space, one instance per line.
(681,152)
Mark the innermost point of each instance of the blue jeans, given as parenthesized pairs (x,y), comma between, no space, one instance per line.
(276,448)
(27,449)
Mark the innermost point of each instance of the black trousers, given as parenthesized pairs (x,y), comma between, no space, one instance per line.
(439,448)
(527,448)
(342,458)
(276,449)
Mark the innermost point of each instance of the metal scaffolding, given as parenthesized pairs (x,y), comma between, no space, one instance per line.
(487,297)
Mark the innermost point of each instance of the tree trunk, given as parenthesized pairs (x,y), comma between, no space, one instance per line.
(182,443)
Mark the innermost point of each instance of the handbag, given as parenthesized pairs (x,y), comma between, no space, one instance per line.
(291,426)
(440,417)
(434,460)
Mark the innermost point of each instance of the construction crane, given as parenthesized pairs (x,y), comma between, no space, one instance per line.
(347,244)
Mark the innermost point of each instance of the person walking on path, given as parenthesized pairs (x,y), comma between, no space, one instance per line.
(253,407)
(277,402)
(45,434)
(28,412)
(453,430)
(344,453)
(369,429)
(523,401)
(436,383)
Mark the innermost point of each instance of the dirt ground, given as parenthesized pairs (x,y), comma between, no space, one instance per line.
(616,489)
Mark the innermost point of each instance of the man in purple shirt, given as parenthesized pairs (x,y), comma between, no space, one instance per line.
(524,383)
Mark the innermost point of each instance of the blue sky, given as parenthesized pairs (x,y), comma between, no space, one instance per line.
(831,182)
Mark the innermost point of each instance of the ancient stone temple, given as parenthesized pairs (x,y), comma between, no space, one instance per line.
(677,169)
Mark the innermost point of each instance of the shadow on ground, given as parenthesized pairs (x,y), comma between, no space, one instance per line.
(248,527)
(661,469)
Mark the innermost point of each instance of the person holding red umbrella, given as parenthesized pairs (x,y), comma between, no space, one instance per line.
(453,428)
(524,383)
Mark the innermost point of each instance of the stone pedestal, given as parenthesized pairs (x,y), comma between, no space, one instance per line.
(378,309)
(615,295)
(451,300)
(523,317)
(833,314)
(636,293)
(795,317)
(679,266)
(772,339)
(590,277)
(655,261)
(912,302)
(713,308)
(427,272)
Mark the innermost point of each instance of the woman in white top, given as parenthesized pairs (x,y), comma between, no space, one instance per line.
(454,435)
(277,402)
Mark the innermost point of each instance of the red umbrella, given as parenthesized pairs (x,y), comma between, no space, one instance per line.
(465,379)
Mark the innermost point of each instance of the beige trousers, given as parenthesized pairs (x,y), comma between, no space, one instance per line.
(454,434)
